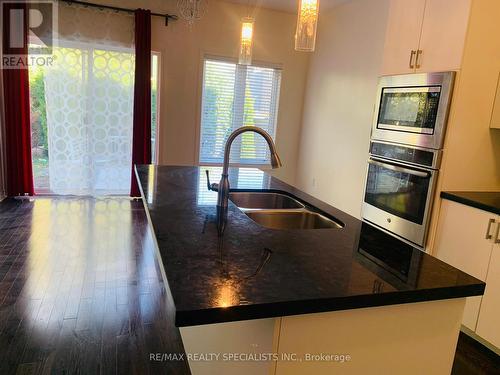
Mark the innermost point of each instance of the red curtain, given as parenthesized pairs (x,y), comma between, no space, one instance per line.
(19,172)
(141,142)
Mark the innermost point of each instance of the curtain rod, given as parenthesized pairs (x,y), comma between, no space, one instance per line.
(167,16)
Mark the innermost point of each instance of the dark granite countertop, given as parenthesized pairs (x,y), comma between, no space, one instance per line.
(484,200)
(254,272)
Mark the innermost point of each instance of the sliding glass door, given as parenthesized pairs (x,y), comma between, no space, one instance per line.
(81,116)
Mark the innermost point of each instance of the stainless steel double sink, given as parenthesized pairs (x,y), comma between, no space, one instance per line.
(278,210)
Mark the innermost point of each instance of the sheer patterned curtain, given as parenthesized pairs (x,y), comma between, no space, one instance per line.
(89,94)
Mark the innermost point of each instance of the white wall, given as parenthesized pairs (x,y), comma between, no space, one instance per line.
(218,33)
(471,158)
(339,102)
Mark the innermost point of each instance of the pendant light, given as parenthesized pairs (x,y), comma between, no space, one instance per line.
(246,39)
(305,35)
(246,42)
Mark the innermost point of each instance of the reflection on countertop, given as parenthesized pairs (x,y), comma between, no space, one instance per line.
(483,200)
(242,178)
(255,272)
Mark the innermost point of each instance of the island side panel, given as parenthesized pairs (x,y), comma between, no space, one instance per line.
(414,338)
(255,337)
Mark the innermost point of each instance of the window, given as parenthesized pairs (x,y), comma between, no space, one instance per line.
(234,96)
(245,178)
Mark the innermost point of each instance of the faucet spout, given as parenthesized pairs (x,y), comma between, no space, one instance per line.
(223,187)
(275,159)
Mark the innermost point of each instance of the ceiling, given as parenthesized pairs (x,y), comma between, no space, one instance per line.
(286,5)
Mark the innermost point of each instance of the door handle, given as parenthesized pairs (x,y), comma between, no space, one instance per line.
(488,234)
(419,53)
(397,168)
(412,55)
(497,238)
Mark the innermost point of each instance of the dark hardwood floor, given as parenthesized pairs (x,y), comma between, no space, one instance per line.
(472,357)
(80,289)
(81,292)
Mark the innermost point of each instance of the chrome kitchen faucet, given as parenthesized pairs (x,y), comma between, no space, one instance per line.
(222,187)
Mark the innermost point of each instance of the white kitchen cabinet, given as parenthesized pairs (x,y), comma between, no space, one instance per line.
(443,35)
(488,325)
(468,239)
(495,115)
(425,35)
(461,241)
(392,339)
(402,36)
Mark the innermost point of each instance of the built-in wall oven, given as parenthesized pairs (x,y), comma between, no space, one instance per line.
(399,189)
(412,109)
(407,137)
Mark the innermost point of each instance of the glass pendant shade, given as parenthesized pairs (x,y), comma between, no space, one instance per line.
(305,35)
(192,10)
(246,44)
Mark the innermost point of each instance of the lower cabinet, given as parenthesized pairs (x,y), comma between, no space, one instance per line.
(488,325)
(466,240)
(392,339)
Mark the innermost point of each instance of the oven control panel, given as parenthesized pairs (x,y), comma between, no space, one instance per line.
(406,154)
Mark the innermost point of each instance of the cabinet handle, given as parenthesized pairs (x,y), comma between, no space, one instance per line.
(419,53)
(497,238)
(488,235)
(412,55)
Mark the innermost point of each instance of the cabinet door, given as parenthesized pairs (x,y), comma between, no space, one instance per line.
(488,325)
(461,242)
(402,35)
(443,35)
(495,116)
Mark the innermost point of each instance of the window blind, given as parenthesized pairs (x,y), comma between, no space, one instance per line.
(234,96)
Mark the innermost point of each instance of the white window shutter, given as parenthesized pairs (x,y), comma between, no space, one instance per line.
(234,96)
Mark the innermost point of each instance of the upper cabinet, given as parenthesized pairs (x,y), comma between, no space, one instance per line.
(495,115)
(402,36)
(425,36)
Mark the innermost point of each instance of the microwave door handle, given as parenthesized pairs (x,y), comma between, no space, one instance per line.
(400,169)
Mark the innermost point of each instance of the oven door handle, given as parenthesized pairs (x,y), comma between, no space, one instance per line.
(397,168)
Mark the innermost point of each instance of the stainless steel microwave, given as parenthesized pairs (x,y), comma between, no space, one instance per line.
(413,109)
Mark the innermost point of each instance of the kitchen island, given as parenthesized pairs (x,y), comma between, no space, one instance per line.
(259,300)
